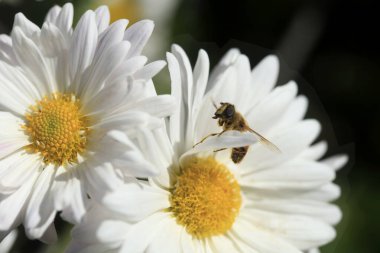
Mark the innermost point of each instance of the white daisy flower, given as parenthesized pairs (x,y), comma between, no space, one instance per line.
(205,202)
(68,96)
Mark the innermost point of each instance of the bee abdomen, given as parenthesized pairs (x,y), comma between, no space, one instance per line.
(238,154)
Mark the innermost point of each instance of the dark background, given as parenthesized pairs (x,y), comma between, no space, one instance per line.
(329,47)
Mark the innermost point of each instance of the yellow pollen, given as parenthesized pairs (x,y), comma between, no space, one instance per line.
(56,128)
(206,198)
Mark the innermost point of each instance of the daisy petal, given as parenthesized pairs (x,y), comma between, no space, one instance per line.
(138,34)
(64,20)
(11,136)
(143,233)
(150,70)
(264,241)
(302,231)
(83,46)
(336,162)
(172,231)
(264,78)
(26,26)
(15,202)
(293,175)
(291,142)
(53,14)
(32,61)
(137,201)
(315,151)
(329,213)
(40,210)
(102,16)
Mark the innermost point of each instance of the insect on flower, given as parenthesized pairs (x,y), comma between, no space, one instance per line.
(230,119)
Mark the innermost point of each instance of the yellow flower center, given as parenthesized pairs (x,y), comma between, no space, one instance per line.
(206,198)
(57,129)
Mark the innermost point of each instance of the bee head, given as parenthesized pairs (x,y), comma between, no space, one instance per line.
(225,110)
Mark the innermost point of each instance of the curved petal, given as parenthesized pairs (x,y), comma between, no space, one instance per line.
(102,16)
(137,201)
(82,48)
(138,34)
(11,136)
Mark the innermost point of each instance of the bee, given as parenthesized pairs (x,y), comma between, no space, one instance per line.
(230,119)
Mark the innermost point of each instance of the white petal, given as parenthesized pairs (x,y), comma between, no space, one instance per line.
(128,120)
(124,155)
(87,231)
(336,162)
(143,233)
(7,243)
(110,36)
(187,85)
(301,231)
(329,213)
(314,251)
(6,51)
(128,67)
(29,28)
(53,14)
(326,193)
(173,231)
(11,136)
(290,141)
(200,73)
(264,78)
(315,151)
(295,175)
(83,46)
(102,18)
(50,234)
(158,106)
(222,244)
(18,93)
(15,202)
(138,34)
(40,211)
(52,40)
(101,177)
(70,196)
(149,71)
(17,169)
(294,113)
(64,20)
(265,115)
(260,240)
(137,200)
(98,73)
(177,120)
(32,61)
(228,59)
(228,139)
(112,232)
(102,104)
(232,83)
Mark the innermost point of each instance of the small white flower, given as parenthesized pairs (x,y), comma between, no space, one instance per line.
(7,241)
(269,202)
(67,98)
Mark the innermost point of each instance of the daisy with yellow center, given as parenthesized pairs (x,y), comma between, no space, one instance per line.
(269,202)
(68,97)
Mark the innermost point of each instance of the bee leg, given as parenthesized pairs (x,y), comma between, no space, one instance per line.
(219,134)
(219,150)
(205,139)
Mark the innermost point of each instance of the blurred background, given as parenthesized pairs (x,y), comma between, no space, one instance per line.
(329,47)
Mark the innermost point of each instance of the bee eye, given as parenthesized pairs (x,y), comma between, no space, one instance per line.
(229,112)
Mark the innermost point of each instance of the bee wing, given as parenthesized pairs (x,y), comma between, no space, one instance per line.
(265,141)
